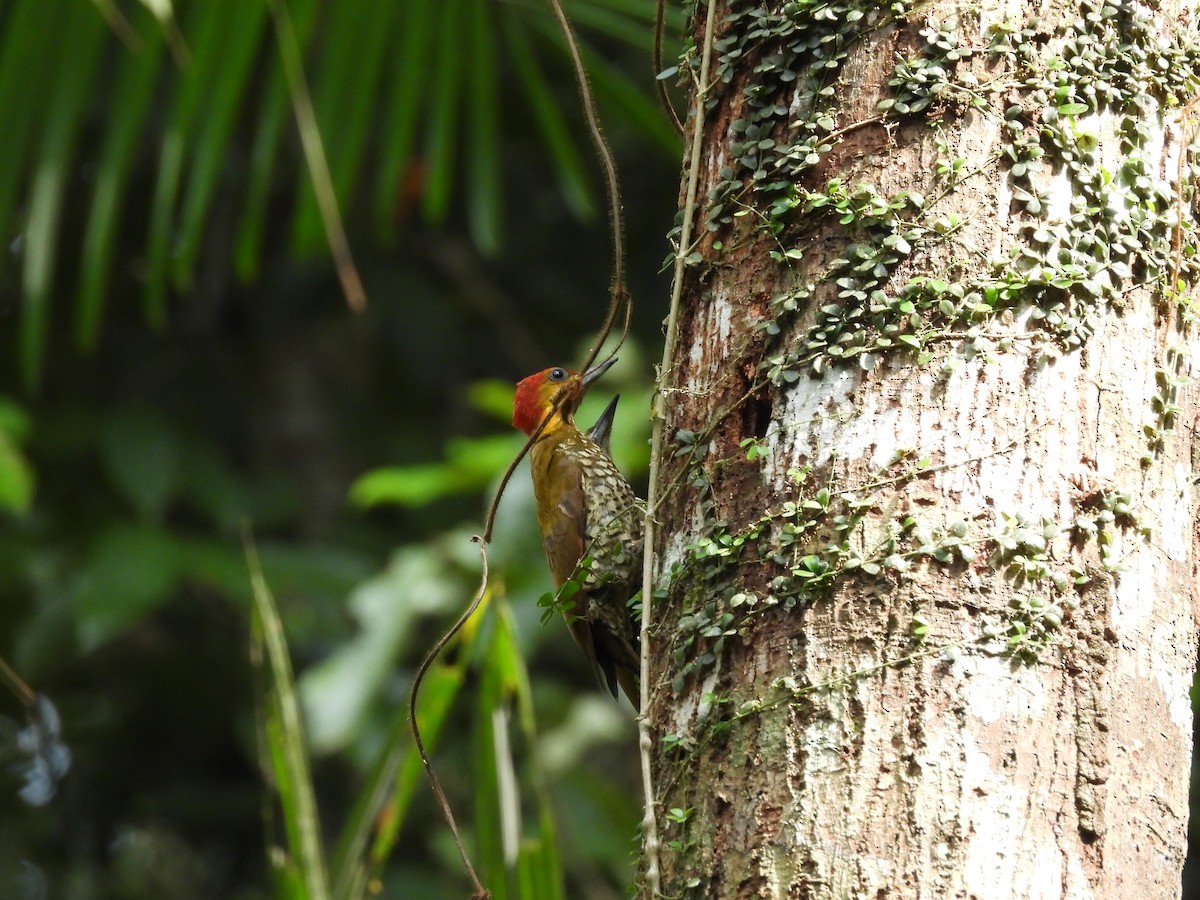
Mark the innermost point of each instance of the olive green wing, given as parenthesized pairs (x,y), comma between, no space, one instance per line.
(562,516)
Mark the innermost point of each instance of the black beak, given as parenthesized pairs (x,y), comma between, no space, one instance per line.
(601,432)
(596,371)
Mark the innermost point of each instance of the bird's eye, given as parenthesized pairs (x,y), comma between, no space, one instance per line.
(557,374)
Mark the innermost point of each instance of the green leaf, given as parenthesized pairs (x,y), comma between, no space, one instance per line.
(402,115)
(164,12)
(470,465)
(282,737)
(131,571)
(214,563)
(224,76)
(206,33)
(493,781)
(539,871)
(479,460)
(438,691)
(628,25)
(352,101)
(16,473)
(142,456)
(162,216)
(31,35)
(413,486)
(484,190)
(273,112)
(539,863)
(492,396)
(80,35)
(445,116)
(16,476)
(565,156)
(14,421)
(393,781)
(387,608)
(345,79)
(132,93)
(631,103)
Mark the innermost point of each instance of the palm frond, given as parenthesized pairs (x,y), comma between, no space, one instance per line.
(151,126)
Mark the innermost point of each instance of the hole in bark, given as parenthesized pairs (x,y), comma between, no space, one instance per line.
(758,417)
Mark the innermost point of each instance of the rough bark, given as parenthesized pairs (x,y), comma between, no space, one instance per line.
(957,665)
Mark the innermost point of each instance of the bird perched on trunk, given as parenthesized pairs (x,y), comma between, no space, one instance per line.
(590,520)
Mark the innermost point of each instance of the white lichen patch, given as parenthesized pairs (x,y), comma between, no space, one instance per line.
(1175,505)
(987,443)
(875,875)
(992,689)
(1136,590)
(1076,885)
(692,707)
(715,319)
(822,746)
(997,12)
(721,310)
(675,552)
(1172,680)
(1040,876)
(811,419)
(1058,194)
(992,803)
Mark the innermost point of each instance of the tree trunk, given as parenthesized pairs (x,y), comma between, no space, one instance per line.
(929,546)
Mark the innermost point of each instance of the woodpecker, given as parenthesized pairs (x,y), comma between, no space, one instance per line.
(586,510)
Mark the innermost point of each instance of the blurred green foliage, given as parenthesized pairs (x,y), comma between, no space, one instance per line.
(179,364)
(407,95)
(16,474)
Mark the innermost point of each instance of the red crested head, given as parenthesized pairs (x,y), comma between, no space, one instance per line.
(538,394)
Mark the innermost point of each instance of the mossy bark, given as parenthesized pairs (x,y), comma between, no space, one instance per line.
(930,555)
